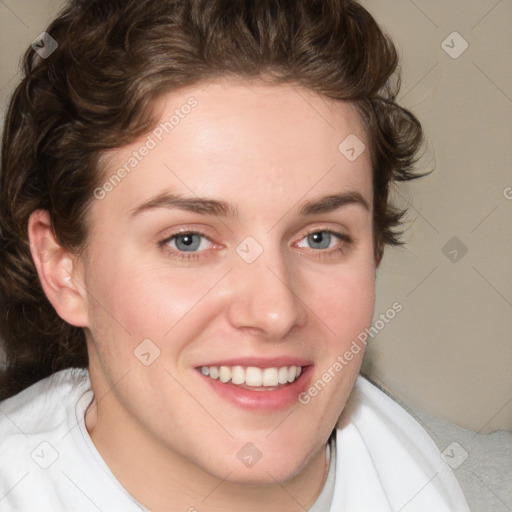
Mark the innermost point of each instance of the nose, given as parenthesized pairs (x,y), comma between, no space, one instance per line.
(265,296)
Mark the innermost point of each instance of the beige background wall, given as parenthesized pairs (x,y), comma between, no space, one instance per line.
(449,351)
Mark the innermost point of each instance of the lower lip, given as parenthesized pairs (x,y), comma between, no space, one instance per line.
(264,401)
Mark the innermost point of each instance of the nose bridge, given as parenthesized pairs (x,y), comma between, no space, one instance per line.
(265,296)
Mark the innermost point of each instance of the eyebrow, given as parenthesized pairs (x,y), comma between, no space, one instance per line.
(221,208)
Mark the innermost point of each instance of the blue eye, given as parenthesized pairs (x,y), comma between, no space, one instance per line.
(185,245)
(190,245)
(188,242)
(323,239)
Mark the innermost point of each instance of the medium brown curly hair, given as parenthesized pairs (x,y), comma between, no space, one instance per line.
(95,93)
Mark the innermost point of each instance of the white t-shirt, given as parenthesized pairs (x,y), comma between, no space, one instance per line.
(382,459)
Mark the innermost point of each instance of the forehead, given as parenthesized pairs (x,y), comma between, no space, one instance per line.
(244,141)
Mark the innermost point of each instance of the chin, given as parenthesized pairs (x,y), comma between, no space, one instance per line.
(252,466)
(264,473)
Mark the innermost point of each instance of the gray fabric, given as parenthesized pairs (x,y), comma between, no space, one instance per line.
(481,463)
(324,500)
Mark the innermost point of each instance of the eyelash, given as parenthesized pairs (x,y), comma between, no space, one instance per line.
(194,255)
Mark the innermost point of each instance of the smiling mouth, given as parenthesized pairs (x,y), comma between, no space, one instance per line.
(253,378)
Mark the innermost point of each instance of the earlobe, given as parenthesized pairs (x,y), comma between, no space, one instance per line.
(59,271)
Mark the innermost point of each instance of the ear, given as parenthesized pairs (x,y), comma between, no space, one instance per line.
(60,272)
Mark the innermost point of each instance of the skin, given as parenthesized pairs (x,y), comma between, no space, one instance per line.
(266,149)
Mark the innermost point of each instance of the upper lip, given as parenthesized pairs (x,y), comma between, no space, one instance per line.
(260,362)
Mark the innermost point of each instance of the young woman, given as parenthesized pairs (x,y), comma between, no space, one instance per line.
(194,202)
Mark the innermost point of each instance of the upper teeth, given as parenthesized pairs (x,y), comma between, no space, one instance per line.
(253,376)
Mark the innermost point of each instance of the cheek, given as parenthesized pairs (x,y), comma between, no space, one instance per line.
(143,300)
(137,299)
(344,300)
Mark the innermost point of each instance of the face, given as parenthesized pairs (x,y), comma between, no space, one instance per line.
(216,247)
